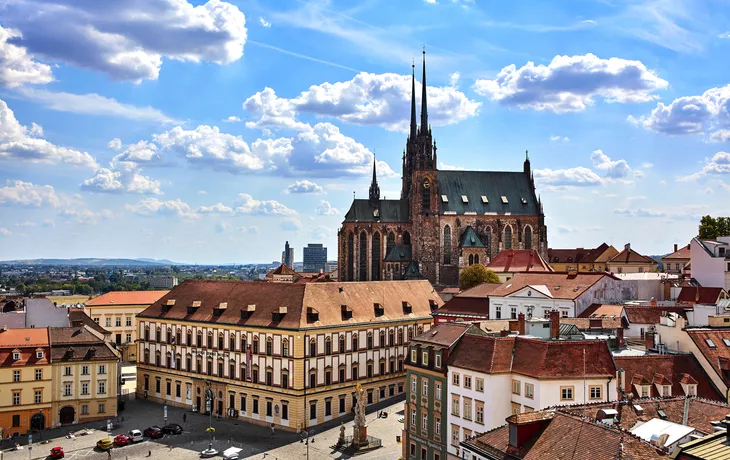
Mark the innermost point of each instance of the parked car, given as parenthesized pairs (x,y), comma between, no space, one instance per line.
(154,432)
(172,428)
(105,444)
(57,452)
(136,436)
(122,440)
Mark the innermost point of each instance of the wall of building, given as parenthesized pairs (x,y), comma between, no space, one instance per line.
(126,332)
(536,304)
(93,399)
(27,386)
(709,271)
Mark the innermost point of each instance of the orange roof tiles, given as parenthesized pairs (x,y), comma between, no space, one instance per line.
(629,256)
(560,284)
(681,253)
(702,295)
(518,260)
(638,314)
(31,337)
(711,343)
(126,298)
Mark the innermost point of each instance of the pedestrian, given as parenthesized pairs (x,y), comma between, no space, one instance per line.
(149,453)
(272,429)
(109,454)
(185,417)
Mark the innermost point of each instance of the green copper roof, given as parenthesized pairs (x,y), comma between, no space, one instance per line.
(470,239)
(493,185)
(400,253)
(387,211)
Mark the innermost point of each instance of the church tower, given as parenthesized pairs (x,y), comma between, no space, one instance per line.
(374,195)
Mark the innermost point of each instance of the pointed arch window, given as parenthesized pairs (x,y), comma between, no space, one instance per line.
(447,245)
(350,256)
(528,237)
(363,272)
(476,258)
(426,197)
(390,243)
(508,237)
(471,259)
(488,241)
(406,238)
(375,270)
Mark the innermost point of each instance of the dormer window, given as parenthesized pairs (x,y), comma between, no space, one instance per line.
(16,355)
(523,200)
(464,199)
(247,312)
(407,308)
(710,343)
(346,312)
(424,357)
(312,315)
(437,360)
(414,356)
(39,354)
(485,200)
(691,390)
(379,310)
(444,198)
(432,303)
(279,314)
(504,200)
(666,390)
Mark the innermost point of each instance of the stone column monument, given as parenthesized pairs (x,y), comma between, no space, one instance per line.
(360,434)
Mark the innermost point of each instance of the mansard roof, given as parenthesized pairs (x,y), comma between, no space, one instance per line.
(493,185)
(388,211)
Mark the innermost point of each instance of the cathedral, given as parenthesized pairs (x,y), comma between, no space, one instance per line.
(443,221)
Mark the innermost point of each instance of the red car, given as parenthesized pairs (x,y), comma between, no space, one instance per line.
(154,432)
(122,440)
(57,452)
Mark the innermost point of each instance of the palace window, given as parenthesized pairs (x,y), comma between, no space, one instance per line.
(285,348)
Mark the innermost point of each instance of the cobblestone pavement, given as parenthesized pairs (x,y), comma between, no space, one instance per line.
(255,440)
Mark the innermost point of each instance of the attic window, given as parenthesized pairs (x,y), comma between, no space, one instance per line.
(485,200)
(407,308)
(523,200)
(710,343)
(279,314)
(346,312)
(379,310)
(312,315)
(432,303)
(662,415)
(39,354)
(16,355)
(248,311)
(464,198)
(221,308)
(444,198)
(193,308)
(504,200)
(726,342)
(638,409)
(196,303)
(171,303)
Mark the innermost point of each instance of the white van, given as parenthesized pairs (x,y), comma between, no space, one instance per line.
(231,453)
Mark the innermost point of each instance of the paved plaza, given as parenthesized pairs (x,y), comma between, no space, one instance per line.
(255,440)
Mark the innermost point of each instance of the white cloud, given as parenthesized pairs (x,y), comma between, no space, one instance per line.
(707,113)
(321,232)
(559,139)
(222,227)
(93,104)
(449,167)
(264,22)
(232,119)
(647,165)
(685,212)
(571,83)
(326,209)
(153,206)
(25,224)
(84,216)
(304,186)
(115,144)
(290,224)
(246,204)
(18,142)
(717,165)
(367,99)
(577,177)
(5,232)
(119,181)
(724,35)
(251,230)
(128,40)
(432,2)
(17,67)
(17,192)
(218,208)
(454,79)
(614,169)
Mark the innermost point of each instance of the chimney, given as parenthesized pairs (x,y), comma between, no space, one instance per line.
(554,324)
(649,340)
(503,333)
(521,324)
(620,337)
(675,247)
(627,247)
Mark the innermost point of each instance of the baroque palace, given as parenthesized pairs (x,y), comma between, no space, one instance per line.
(287,354)
(443,221)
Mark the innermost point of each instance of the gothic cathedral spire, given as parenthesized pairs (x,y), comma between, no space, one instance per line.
(413,101)
(424,108)
(374,188)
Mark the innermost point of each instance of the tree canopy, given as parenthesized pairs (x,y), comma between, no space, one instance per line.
(475,275)
(712,227)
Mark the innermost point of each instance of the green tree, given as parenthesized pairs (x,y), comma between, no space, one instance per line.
(475,275)
(711,227)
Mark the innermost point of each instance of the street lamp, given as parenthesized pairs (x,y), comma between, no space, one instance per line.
(209,396)
(307,436)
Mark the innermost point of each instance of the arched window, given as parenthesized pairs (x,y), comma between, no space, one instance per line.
(157,358)
(426,197)
(508,237)
(147,356)
(447,245)
(255,345)
(232,370)
(381,339)
(232,342)
(285,348)
(391,336)
(350,256)
(313,347)
(355,341)
(285,378)
(189,338)
(210,339)
(363,257)
(243,341)
(341,344)
(220,340)
(312,378)
(200,339)
(243,371)
(370,340)
(528,237)
(406,238)
(178,337)
(178,361)
(390,243)
(400,336)
(476,258)
(471,259)
(375,270)
(328,346)
(269,346)
(488,241)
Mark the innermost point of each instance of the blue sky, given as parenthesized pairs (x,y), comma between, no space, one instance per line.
(213,132)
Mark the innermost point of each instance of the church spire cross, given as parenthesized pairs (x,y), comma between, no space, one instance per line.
(424,107)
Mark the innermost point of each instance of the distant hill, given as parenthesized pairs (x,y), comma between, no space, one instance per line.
(90,262)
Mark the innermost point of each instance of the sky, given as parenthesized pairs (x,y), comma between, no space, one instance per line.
(213,132)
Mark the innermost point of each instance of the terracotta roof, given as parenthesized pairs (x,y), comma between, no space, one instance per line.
(597,310)
(650,314)
(567,437)
(681,253)
(700,412)
(471,306)
(80,316)
(126,298)
(576,255)
(518,260)
(671,368)
(702,295)
(284,270)
(534,358)
(611,322)
(561,285)
(445,334)
(713,348)
(480,291)
(27,341)
(323,300)
(629,256)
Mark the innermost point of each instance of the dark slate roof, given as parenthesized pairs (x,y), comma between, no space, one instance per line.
(388,210)
(14,320)
(492,184)
(412,272)
(470,239)
(42,313)
(400,253)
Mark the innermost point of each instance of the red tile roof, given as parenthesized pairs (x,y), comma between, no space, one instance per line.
(669,368)
(479,291)
(716,352)
(576,255)
(284,270)
(534,358)
(445,334)
(471,302)
(702,295)
(518,260)
(681,253)
(126,298)
(560,284)
(629,256)
(597,310)
(27,341)
(650,314)
(567,437)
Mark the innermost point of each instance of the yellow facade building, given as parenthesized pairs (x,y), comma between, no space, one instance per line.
(630,261)
(85,376)
(116,312)
(581,259)
(287,354)
(25,380)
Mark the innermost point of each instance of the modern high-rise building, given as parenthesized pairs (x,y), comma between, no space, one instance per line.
(287,256)
(315,258)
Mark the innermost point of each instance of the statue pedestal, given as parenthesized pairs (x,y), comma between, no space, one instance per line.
(362,436)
